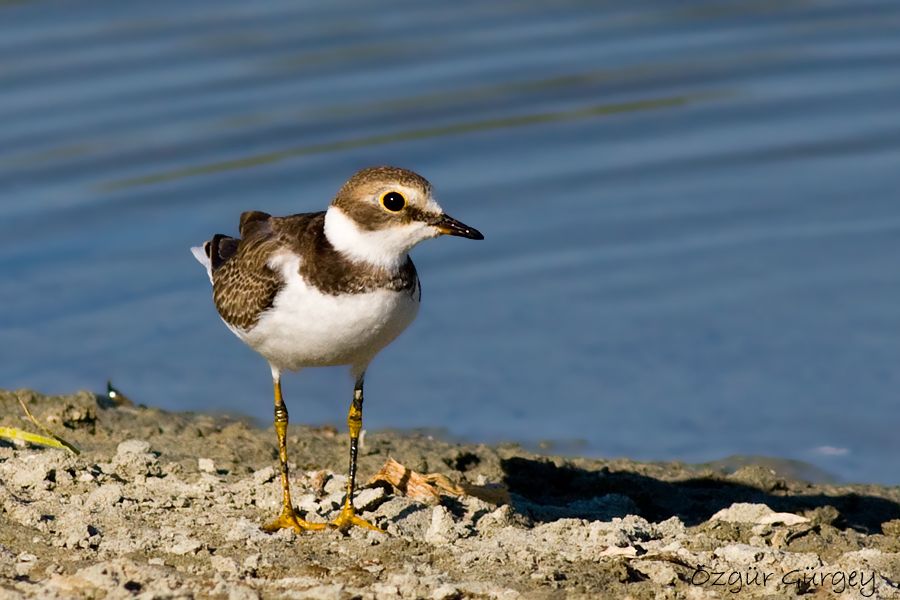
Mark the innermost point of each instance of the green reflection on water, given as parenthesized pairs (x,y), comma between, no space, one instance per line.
(400,136)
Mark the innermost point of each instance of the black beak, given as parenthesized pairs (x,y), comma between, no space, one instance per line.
(450,226)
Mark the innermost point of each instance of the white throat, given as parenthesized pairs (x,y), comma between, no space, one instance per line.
(387,248)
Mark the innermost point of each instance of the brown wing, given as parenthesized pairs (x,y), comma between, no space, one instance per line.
(252,222)
(219,249)
(244,286)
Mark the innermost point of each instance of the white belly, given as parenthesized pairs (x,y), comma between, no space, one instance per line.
(306,328)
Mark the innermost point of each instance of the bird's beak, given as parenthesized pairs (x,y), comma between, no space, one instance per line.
(450,226)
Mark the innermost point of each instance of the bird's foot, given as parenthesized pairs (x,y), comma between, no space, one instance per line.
(348,518)
(289,519)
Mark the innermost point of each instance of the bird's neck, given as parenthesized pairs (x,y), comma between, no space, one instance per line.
(384,248)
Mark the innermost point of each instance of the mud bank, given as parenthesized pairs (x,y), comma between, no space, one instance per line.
(168,505)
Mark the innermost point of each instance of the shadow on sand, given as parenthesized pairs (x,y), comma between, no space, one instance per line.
(546,491)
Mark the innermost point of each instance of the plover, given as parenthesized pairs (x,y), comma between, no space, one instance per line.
(327,288)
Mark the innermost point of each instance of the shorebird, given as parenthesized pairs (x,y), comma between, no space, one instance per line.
(327,288)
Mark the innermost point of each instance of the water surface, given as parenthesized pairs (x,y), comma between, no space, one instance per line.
(690,208)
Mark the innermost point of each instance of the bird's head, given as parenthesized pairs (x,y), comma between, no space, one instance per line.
(382,212)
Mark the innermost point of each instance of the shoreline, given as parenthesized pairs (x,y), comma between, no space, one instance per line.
(163,504)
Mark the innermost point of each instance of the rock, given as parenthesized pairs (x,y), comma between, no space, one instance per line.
(870,559)
(118,578)
(404,516)
(335,484)
(34,470)
(243,529)
(446,591)
(781,518)
(622,533)
(369,498)
(134,458)
(671,528)
(307,503)
(73,531)
(206,465)
(742,512)
(619,551)
(224,564)
(7,560)
(28,477)
(891,528)
(828,515)
(799,561)
(242,592)
(385,590)
(758,476)
(443,528)
(742,554)
(75,416)
(251,562)
(104,497)
(133,447)
(25,562)
(502,516)
(660,573)
(332,502)
(184,545)
(264,475)
(760,514)
(324,592)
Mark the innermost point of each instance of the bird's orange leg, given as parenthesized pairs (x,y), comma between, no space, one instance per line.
(288,519)
(348,517)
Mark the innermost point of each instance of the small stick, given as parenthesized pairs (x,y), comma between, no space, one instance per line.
(11,433)
(54,440)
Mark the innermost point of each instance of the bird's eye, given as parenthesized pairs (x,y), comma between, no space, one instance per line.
(393,201)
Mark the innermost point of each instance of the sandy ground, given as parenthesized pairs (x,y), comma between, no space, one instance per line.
(164,505)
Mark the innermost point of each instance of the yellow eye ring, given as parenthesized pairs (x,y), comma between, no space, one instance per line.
(392,201)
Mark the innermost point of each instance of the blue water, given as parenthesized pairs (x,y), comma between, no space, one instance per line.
(691,211)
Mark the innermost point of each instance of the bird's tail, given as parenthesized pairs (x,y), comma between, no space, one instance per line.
(201,253)
(215,252)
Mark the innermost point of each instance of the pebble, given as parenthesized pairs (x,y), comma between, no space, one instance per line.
(104,497)
(25,562)
(444,529)
(336,484)
(29,471)
(446,592)
(185,545)
(742,554)
(744,512)
(264,475)
(133,447)
(307,503)
(224,564)
(369,498)
(242,592)
(251,562)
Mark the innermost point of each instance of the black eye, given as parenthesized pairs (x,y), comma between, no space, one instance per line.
(393,201)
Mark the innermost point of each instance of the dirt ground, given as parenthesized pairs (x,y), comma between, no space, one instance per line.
(169,505)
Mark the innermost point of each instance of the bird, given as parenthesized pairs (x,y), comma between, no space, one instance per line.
(327,288)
